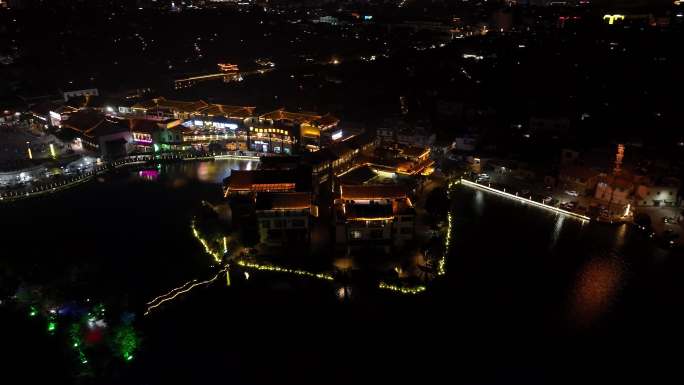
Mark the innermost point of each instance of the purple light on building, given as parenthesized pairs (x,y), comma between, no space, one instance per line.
(149,174)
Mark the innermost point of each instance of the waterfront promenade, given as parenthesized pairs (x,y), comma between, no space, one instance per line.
(47,186)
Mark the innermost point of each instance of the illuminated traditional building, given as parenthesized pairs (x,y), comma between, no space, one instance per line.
(339,157)
(264,137)
(114,137)
(83,125)
(275,132)
(256,181)
(381,214)
(204,123)
(219,122)
(401,160)
(51,114)
(312,129)
(283,217)
(161,108)
(417,161)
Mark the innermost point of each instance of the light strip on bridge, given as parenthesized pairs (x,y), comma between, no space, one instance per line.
(525,200)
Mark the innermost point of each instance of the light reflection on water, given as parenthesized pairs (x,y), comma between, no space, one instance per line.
(344,293)
(620,236)
(149,174)
(558,226)
(587,260)
(207,171)
(479,202)
(596,287)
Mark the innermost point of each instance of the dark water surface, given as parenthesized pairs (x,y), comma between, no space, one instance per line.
(529,296)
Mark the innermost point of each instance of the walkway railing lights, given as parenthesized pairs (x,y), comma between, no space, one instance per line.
(524,200)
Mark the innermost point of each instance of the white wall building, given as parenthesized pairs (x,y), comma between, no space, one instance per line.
(656,195)
(84,92)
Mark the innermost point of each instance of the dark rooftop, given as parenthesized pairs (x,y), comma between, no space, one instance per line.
(245,179)
(359,175)
(283,200)
(378,191)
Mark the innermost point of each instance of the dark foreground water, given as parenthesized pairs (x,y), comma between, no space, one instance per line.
(529,296)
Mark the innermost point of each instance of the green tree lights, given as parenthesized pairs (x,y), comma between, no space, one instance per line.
(126,341)
(76,341)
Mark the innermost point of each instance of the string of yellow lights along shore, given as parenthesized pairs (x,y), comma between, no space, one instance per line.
(207,249)
(224,270)
(303,273)
(441,264)
(256,266)
(172,291)
(402,289)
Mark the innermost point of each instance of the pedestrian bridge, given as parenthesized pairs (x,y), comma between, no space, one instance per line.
(504,194)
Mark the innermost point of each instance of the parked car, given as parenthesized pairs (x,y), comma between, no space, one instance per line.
(547,200)
(669,238)
(567,206)
(572,193)
(669,220)
(642,222)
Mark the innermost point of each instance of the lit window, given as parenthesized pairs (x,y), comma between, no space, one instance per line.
(355,234)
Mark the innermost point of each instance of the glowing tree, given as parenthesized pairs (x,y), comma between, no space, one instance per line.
(126,342)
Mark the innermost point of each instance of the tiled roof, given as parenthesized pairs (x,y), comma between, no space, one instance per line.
(175,105)
(229,111)
(42,109)
(299,117)
(326,120)
(381,191)
(145,105)
(413,151)
(283,200)
(143,125)
(108,127)
(318,157)
(359,175)
(64,110)
(245,179)
(83,121)
(197,107)
(181,106)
